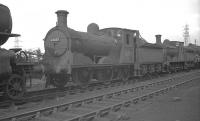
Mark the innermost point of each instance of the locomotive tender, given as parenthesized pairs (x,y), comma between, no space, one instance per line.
(106,54)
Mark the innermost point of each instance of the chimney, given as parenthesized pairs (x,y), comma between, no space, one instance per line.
(61,18)
(158,39)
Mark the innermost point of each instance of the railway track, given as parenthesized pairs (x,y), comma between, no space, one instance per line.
(97,106)
(55,92)
(51,93)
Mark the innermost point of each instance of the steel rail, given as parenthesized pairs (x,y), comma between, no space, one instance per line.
(65,106)
(41,95)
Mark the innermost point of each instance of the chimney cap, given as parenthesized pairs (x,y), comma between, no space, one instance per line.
(158,35)
(62,11)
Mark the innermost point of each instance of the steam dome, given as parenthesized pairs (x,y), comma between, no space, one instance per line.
(93,28)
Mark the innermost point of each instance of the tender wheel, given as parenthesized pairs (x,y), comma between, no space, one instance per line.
(108,74)
(115,74)
(81,76)
(125,75)
(15,87)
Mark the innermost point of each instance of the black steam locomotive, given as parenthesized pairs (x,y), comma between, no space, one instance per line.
(12,66)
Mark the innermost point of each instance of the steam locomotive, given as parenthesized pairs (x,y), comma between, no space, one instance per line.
(100,55)
(12,70)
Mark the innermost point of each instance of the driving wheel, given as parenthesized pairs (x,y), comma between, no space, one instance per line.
(59,80)
(15,87)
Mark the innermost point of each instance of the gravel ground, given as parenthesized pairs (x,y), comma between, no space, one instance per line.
(182,104)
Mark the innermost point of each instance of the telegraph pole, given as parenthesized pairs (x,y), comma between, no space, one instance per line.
(16,44)
(195,41)
(186,35)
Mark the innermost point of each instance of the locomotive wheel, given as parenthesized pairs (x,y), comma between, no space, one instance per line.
(125,75)
(108,74)
(115,74)
(101,75)
(81,76)
(15,87)
(58,81)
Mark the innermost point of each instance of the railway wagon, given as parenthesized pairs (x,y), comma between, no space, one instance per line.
(97,55)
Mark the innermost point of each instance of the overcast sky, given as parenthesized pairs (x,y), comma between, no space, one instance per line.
(33,18)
